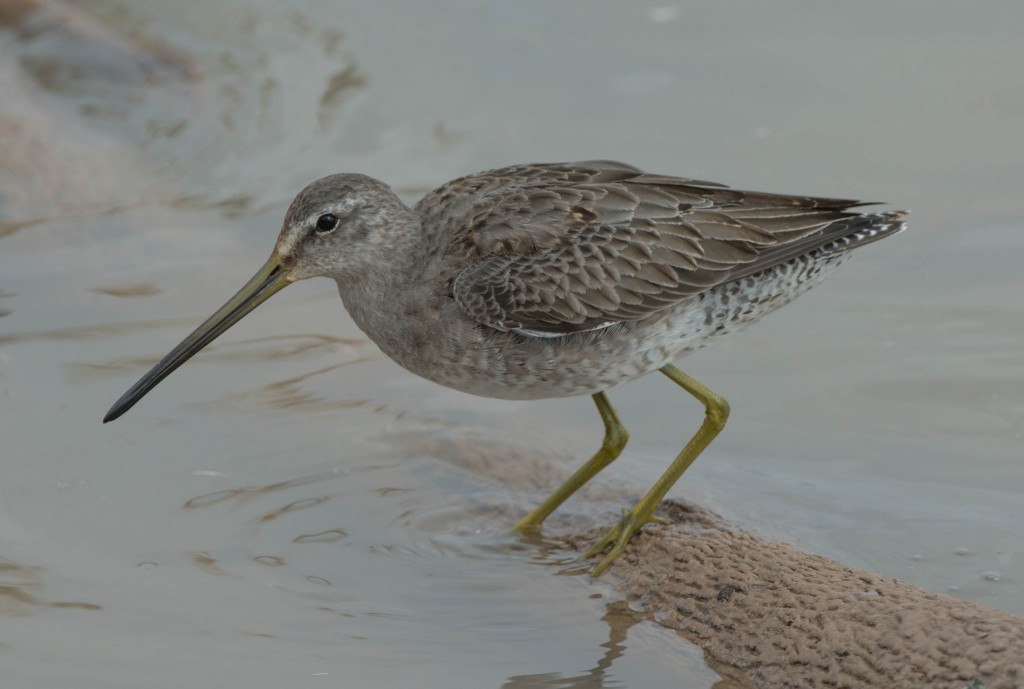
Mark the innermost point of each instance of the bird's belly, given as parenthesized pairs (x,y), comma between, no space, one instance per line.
(507,365)
(513,366)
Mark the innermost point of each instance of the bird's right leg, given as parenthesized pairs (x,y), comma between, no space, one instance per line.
(716,413)
(615,437)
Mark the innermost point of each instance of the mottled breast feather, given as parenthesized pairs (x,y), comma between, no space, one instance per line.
(568,247)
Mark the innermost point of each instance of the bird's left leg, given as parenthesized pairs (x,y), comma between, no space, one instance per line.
(615,437)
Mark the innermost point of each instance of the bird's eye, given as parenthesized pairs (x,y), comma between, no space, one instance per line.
(327,223)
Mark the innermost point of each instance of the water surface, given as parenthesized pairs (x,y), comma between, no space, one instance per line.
(291,507)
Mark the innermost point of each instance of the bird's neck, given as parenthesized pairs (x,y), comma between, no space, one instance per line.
(379,298)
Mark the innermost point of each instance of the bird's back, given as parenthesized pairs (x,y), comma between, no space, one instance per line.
(567,247)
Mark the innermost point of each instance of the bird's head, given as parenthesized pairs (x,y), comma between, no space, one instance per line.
(336,227)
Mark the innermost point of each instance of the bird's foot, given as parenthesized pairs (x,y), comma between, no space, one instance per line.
(632,521)
(530,524)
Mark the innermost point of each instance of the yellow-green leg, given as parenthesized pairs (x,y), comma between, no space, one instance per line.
(716,411)
(615,437)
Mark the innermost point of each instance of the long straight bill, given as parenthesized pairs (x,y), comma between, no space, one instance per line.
(271,278)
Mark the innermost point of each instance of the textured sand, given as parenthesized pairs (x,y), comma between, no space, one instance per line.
(768,615)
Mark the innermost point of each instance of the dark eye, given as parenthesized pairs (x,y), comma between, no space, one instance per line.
(326,222)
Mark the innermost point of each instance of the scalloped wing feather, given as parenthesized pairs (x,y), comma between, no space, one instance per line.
(563,248)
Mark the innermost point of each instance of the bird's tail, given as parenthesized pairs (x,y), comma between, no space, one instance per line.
(864,229)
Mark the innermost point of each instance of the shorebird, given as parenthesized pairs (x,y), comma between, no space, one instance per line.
(553,280)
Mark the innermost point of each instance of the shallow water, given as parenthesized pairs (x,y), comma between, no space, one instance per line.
(292,506)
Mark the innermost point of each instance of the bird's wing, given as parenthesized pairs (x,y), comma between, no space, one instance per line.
(563,248)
